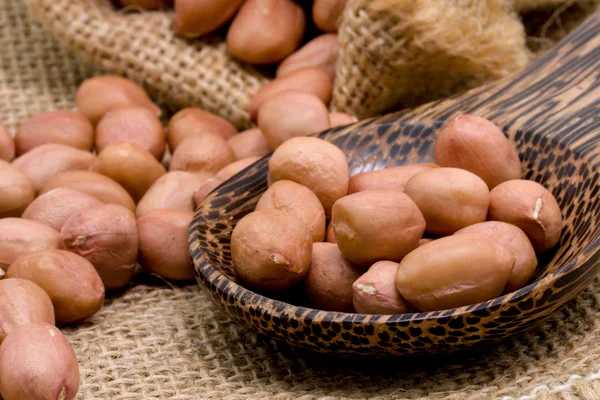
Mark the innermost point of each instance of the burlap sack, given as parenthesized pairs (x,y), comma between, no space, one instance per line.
(142,47)
(401,53)
(155,341)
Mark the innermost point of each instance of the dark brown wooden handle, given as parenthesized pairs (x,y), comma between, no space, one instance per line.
(557,95)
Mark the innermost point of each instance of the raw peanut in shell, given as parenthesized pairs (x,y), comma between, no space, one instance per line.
(7,145)
(531,207)
(107,237)
(321,52)
(515,241)
(94,184)
(375,291)
(454,271)
(98,95)
(477,145)
(48,160)
(70,280)
(22,302)
(341,119)
(132,124)
(266,31)
(449,198)
(271,250)
(377,225)
(299,202)
(237,166)
(204,190)
(196,122)
(308,80)
(328,283)
(163,244)
(195,18)
(54,207)
(205,153)
(16,191)
(129,165)
(331,234)
(291,114)
(20,236)
(393,178)
(174,190)
(327,14)
(61,127)
(37,362)
(249,143)
(314,163)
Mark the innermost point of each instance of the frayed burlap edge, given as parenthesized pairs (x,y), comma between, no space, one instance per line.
(143,47)
(402,53)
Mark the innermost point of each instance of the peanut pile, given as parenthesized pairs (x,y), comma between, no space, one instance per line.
(87,195)
(421,237)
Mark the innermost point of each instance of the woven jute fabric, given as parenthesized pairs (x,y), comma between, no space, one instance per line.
(142,46)
(157,341)
(401,53)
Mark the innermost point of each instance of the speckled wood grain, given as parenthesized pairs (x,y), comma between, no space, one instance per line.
(551,112)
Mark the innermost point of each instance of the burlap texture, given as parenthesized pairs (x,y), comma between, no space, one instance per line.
(401,53)
(155,341)
(142,46)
